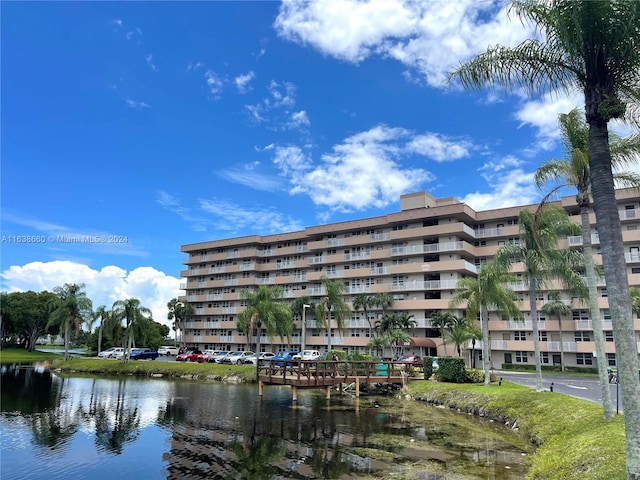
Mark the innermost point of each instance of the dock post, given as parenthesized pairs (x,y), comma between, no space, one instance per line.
(295,393)
(357,387)
(327,392)
(260,388)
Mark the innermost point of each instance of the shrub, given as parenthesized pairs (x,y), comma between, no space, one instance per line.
(474,375)
(451,369)
(357,356)
(427,367)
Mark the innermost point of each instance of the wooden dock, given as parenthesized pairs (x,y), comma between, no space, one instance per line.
(327,374)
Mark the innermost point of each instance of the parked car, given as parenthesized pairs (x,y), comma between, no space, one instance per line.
(188,356)
(284,355)
(206,355)
(168,350)
(110,352)
(118,353)
(253,359)
(143,354)
(236,358)
(307,355)
(434,363)
(218,357)
(411,359)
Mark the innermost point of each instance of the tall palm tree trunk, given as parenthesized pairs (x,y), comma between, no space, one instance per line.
(100,336)
(561,344)
(67,335)
(486,366)
(615,272)
(598,336)
(329,331)
(533,307)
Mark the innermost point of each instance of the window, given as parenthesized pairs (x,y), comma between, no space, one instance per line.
(542,336)
(584,359)
(611,359)
(608,336)
(580,315)
(582,336)
(544,358)
(521,357)
(520,335)
(603,292)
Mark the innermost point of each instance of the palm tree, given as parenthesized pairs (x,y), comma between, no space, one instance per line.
(103,314)
(335,305)
(442,320)
(475,334)
(179,311)
(634,293)
(573,171)
(594,46)
(384,300)
(364,302)
(265,309)
(459,334)
(132,312)
(387,324)
(70,309)
(378,344)
(397,338)
(486,291)
(557,308)
(543,260)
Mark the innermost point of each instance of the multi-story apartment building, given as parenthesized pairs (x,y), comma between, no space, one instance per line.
(417,255)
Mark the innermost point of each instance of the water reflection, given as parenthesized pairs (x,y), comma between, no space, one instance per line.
(87,427)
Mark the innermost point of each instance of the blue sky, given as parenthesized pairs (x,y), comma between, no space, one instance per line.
(156,124)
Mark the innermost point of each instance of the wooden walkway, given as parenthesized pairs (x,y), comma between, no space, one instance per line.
(327,374)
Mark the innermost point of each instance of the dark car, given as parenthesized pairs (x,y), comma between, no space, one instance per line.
(284,355)
(188,356)
(143,354)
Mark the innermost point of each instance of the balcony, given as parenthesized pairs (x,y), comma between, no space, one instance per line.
(248,266)
(317,291)
(301,248)
(287,264)
(380,270)
(488,232)
(231,282)
(335,242)
(380,237)
(628,214)
(300,278)
(357,289)
(234,254)
(215,296)
(229,310)
(266,253)
(266,281)
(440,284)
(499,345)
(632,257)
(226,338)
(357,256)
(576,241)
(335,274)
(316,260)
(216,270)
(183,286)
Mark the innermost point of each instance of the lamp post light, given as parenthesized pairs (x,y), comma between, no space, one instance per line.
(304,327)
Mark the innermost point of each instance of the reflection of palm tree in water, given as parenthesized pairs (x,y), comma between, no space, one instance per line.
(125,426)
(256,454)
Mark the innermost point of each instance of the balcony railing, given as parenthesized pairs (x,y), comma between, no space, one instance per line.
(488,232)
(357,256)
(217,270)
(357,289)
(380,270)
(265,281)
(335,274)
(335,242)
(287,264)
(230,282)
(266,253)
(215,296)
(380,237)
(248,266)
(316,260)
(229,310)
(627,214)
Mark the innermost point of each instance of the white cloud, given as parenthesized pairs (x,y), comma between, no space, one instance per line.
(194,65)
(248,176)
(172,203)
(152,66)
(137,104)
(439,148)
(152,287)
(242,82)
(256,113)
(542,114)
(510,186)
(359,173)
(431,38)
(231,217)
(282,95)
(215,83)
(299,120)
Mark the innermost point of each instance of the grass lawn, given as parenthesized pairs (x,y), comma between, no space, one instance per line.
(20,355)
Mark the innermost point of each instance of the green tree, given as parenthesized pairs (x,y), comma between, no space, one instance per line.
(573,171)
(384,300)
(364,302)
(543,260)
(70,309)
(459,334)
(29,312)
(378,344)
(179,312)
(103,315)
(594,46)
(482,293)
(336,307)
(134,315)
(442,320)
(634,293)
(555,307)
(265,309)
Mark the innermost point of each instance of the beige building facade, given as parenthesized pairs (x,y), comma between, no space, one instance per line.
(416,255)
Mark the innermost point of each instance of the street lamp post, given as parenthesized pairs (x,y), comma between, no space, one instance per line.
(304,327)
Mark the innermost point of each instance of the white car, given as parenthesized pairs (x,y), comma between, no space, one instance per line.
(307,355)
(113,352)
(168,350)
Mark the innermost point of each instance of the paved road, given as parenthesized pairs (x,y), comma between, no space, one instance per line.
(585,387)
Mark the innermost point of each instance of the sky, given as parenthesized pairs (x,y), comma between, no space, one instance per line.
(136,127)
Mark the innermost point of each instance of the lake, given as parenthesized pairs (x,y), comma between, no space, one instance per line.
(60,427)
